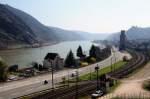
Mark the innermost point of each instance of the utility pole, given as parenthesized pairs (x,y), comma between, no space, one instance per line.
(68,78)
(77,79)
(52,70)
(111,64)
(115,63)
(90,74)
(96,69)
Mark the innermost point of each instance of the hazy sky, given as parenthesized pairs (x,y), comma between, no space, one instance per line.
(87,15)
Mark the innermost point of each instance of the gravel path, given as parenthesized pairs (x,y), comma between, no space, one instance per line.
(133,84)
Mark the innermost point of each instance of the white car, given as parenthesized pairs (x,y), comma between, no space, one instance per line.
(97,94)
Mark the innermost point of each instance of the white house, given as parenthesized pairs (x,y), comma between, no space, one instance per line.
(53,60)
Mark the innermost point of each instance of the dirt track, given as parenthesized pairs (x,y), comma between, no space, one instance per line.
(133,84)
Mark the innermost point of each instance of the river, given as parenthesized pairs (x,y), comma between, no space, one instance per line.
(24,57)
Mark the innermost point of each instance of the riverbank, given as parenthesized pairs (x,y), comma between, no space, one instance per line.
(25,56)
(23,46)
(34,84)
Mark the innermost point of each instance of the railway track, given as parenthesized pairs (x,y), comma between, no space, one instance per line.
(138,59)
(69,93)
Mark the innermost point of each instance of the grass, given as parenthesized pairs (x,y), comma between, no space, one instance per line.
(102,71)
(114,87)
(146,85)
(87,77)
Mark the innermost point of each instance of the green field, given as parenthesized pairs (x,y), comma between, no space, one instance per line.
(101,71)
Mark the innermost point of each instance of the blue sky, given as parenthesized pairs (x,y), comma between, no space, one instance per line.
(101,16)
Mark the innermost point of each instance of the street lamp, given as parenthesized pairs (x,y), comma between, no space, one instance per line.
(96,69)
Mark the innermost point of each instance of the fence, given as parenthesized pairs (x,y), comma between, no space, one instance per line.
(141,95)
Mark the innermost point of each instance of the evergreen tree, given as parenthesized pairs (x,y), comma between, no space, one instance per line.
(36,65)
(70,60)
(80,52)
(3,71)
(93,51)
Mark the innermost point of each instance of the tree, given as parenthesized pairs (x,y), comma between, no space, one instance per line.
(35,65)
(93,51)
(40,67)
(80,52)
(70,60)
(3,71)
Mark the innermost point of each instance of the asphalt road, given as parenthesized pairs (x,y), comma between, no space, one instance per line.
(23,87)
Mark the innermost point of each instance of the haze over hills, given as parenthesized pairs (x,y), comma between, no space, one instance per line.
(94,36)
(134,33)
(20,28)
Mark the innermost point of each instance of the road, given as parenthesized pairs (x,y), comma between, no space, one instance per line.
(23,87)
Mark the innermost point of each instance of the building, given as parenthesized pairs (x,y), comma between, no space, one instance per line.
(123,40)
(53,60)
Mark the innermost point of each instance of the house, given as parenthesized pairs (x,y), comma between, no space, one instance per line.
(53,60)
(13,68)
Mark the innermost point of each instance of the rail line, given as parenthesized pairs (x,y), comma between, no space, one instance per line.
(70,92)
(138,59)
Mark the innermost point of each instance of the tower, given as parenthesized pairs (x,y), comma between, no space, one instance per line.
(122,45)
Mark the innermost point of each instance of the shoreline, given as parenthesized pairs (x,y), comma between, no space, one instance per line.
(29,46)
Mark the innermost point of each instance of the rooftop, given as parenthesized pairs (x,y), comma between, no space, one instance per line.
(51,56)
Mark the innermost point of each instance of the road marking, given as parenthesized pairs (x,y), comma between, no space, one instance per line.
(57,76)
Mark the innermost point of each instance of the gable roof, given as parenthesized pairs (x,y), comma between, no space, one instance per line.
(51,56)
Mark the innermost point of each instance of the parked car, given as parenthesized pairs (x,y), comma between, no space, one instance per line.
(97,94)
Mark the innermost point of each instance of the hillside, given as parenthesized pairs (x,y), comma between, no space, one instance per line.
(14,30)
(18,28)
(134,33)
(67,35)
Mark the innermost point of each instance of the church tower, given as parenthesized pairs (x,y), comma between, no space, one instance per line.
(122,45)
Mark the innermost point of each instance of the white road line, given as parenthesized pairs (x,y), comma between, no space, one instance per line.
(58,75)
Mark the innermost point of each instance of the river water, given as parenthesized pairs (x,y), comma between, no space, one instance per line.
(24,57)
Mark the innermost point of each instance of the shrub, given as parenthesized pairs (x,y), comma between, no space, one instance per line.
(3,71)
(93,60)
(146,85)
(84,64)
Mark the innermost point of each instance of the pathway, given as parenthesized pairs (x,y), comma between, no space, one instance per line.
(133,84)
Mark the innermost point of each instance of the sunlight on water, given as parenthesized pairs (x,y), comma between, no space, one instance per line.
(24,57)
